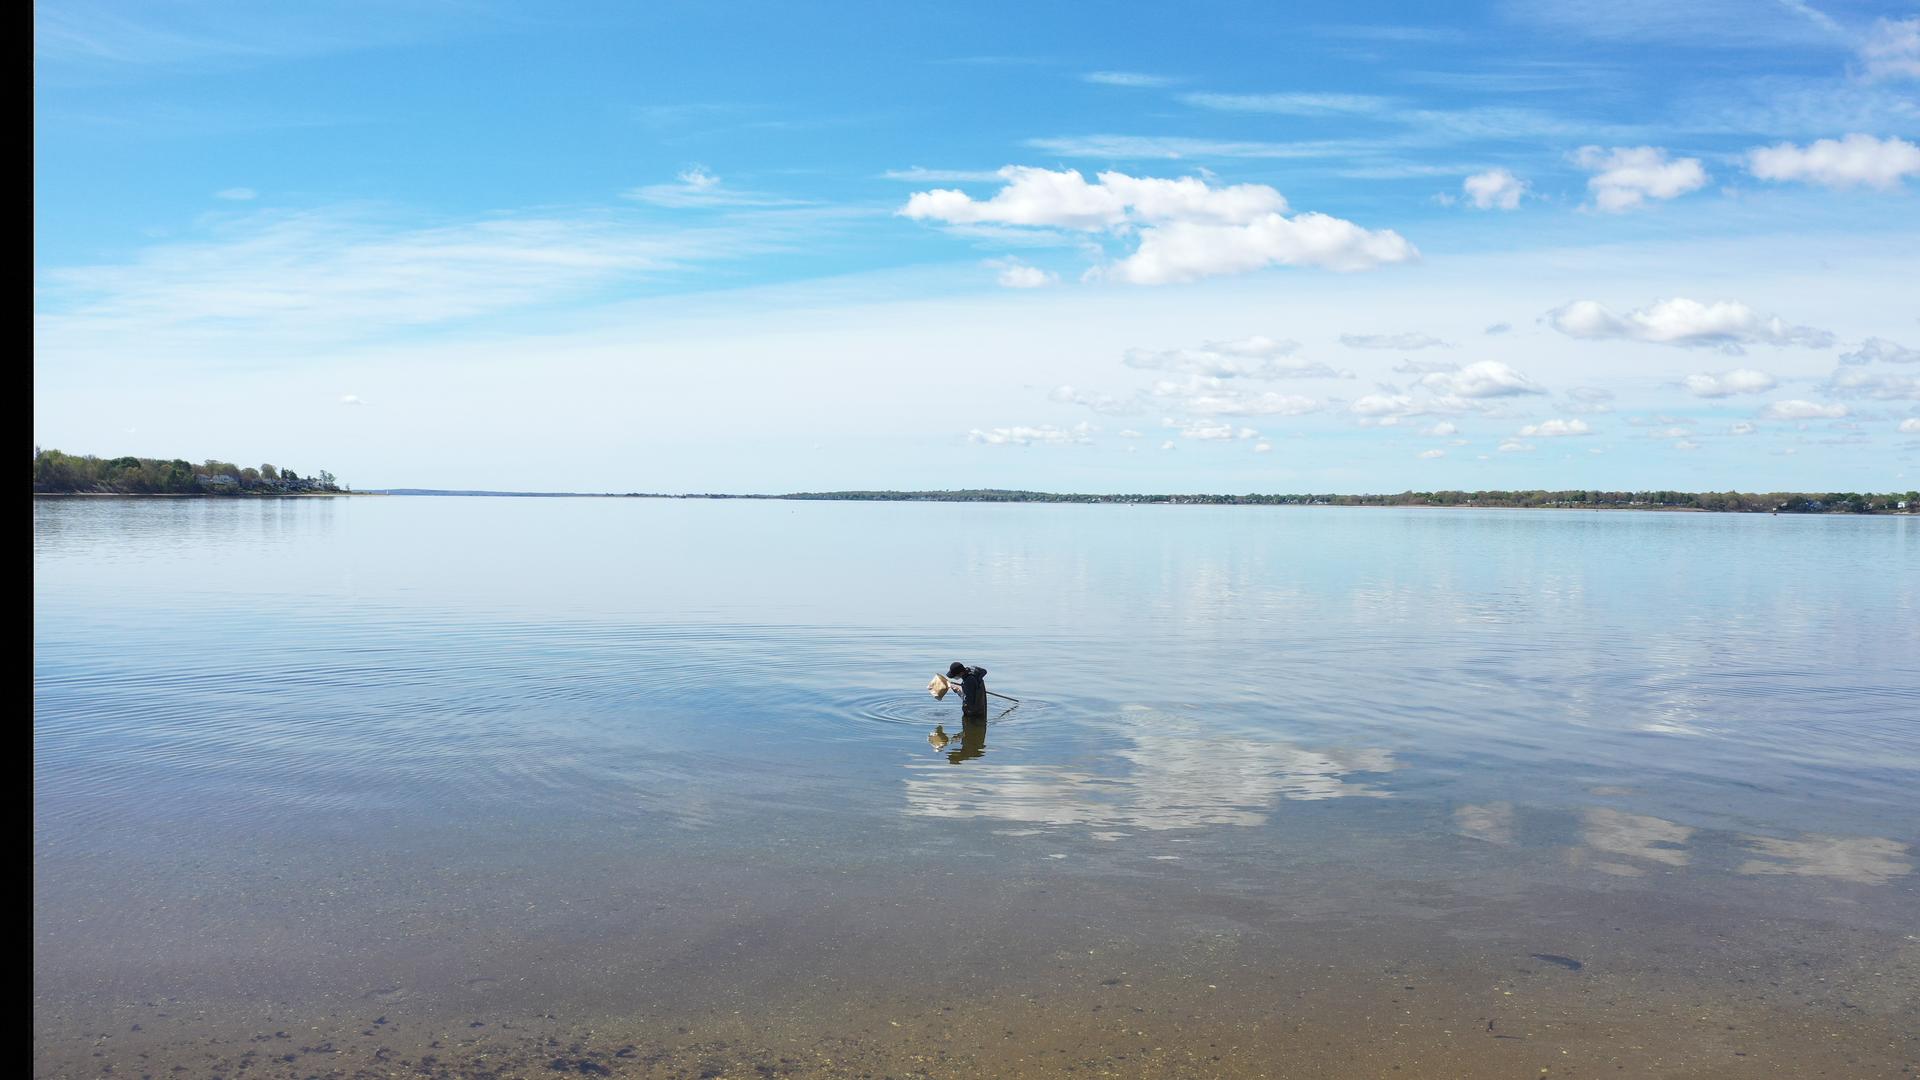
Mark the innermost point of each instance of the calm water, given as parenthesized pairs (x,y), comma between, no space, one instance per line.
(646,787)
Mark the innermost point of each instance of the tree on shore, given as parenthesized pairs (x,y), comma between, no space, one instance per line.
(56,472)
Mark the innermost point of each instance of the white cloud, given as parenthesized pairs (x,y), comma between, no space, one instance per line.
(1102,403)
(1482,379)
(1498,328)
(272,283)
(1553,429)
(351,399)
(1892,50)
(1590,399)
(1043,435)
(1183,229)
(1685,444)
(1728,383)
(1297,104)
(1797,409)
(1408,341)
(1725,324)
(1134,79)
(1910,426)
(919,175)
(1880,349)
(698,187)
(1742,427)
(1263,448)
(1514,446)
(1202,396)
(1208,432)
(237,194)
(1255,357)
(1183,251)
(1441,430)
(1386,409)
(1625,177)
(1880,386)
(1495,189)
(1168,445)
(1429,455)
(1015,274)
(1855,161)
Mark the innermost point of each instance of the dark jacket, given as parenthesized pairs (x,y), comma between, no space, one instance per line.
(973,692)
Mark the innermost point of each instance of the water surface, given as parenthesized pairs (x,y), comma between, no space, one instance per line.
(471,786)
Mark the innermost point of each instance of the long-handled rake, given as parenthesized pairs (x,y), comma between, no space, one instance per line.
(939,687)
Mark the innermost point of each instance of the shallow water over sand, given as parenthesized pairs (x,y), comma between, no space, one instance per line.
(478,787)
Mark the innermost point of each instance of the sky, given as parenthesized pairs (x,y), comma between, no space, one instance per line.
(768,247)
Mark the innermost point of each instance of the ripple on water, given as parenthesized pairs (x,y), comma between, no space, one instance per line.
(923,711)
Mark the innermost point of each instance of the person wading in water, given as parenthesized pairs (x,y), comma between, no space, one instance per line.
(972,682)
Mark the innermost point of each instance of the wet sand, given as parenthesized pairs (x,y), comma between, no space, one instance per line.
(1031,979)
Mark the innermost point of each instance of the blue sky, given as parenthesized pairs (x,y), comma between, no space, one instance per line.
(768,247)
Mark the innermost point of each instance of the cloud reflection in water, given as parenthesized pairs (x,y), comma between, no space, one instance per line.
(1178,775)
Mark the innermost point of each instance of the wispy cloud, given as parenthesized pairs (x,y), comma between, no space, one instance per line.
(1408,341)
(292,281)
(699,187)
(1134,79)
(1292,104)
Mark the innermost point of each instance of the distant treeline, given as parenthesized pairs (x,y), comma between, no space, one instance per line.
(58,473)
(1784,502)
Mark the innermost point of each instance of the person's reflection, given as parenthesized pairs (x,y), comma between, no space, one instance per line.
(971,744)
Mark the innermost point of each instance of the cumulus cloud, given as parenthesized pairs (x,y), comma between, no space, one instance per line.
(1626,177)
(1495,189)
(1892,50)
(1910,426)
(1855,161)
(1263,448)
(1725,324)
(1554,429)
(1742,427)
(1796,409)
(1043,435)
(351,399)
(1728,383)
(1515,446)
(1015,274)
(1482,379)
(1183,229)
(1408,341)
(1429,455)
(1880,349)
(1441,430)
